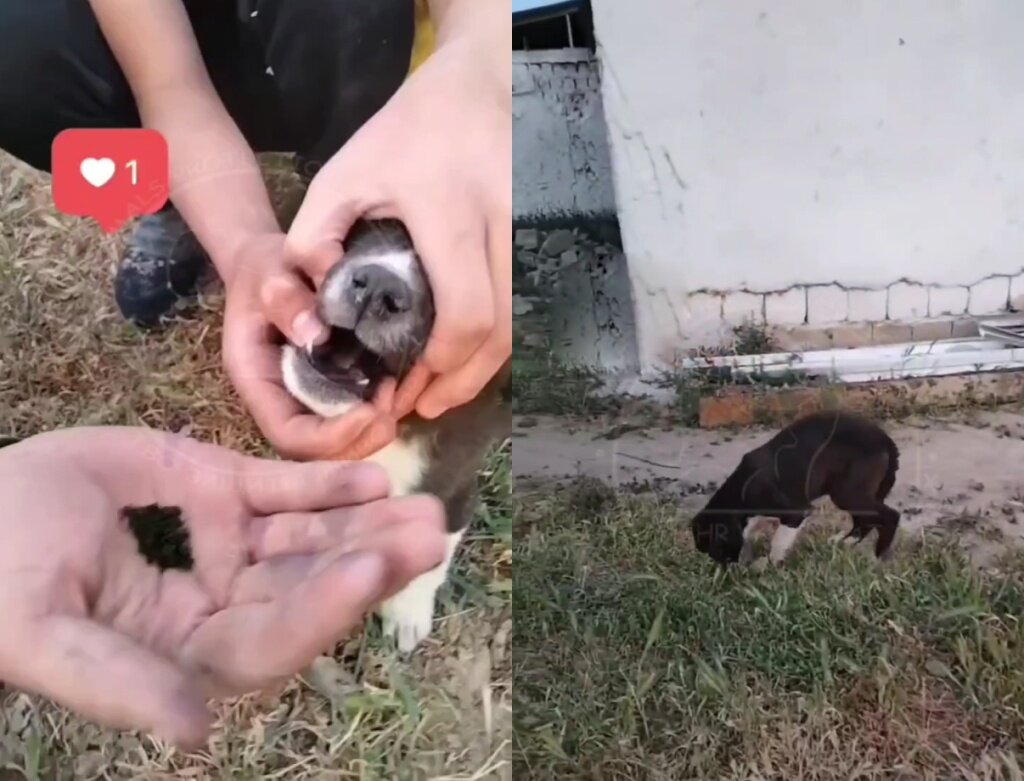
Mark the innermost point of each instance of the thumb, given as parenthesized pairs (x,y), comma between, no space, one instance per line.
(314,240)
(248,645)
(291,307)
(112,680)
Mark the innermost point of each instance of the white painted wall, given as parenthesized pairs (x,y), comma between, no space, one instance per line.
(765,150)
(560,162)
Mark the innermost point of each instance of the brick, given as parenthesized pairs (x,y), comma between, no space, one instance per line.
(931,330)
(801,337)
(946,301)
(989,296)
(740,308)
(826,304)
(851,335)
(891,333)
(786,308)
(907,301)
(964,328)
(876,399)
(866,305)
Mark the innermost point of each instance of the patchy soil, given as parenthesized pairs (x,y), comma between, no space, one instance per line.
(960,474)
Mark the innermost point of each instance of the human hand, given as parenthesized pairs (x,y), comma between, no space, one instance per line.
(265,295)
(287,559)
(436,157)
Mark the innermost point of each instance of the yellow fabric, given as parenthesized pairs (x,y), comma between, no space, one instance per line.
(423,43)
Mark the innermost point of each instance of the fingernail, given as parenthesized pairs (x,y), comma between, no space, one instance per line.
(308,331)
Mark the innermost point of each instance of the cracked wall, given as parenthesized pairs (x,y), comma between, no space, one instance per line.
(841,168)
(561,169)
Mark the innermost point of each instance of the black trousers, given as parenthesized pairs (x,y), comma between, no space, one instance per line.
(296,75)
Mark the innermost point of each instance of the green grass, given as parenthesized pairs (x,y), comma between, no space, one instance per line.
(635,658)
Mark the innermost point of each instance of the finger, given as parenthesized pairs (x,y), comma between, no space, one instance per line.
(315,261)
(270,487)
(291,306)
(378,435)
(384,397)
(465,382)
(110,679)
(253,364)
(456,266)
(415,382)
(304,533)
(247,646)
(327,213)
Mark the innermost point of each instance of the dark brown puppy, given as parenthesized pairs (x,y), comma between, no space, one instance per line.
(835,454)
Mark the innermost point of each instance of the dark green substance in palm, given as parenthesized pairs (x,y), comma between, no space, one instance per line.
(161,535)
(160,532)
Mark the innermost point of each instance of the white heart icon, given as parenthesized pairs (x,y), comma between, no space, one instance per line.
(97,172)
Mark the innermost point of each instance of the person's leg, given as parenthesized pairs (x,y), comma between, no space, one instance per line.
(296,75)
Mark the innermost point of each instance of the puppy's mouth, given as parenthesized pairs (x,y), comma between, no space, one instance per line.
(348,364)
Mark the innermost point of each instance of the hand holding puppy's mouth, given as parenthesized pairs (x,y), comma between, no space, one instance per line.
(379,308)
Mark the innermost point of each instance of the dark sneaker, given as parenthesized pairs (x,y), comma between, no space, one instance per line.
(161,271)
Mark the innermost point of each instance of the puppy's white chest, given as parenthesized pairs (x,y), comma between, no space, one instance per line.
(405,462)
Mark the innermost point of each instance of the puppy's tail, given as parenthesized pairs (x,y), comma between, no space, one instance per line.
(890,475)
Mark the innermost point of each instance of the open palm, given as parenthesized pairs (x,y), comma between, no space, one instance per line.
(285,559)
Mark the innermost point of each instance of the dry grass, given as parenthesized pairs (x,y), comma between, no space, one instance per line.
(68,359)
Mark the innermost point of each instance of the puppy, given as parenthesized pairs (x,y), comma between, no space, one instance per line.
(380,308)
(837,454)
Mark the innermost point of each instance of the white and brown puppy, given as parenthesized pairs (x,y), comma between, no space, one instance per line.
(379,305)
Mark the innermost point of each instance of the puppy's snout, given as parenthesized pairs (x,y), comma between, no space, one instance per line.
(379,292)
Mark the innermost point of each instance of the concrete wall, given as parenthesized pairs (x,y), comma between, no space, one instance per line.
(560,162)
(814,162)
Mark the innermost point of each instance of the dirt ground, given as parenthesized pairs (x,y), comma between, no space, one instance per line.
(964,471)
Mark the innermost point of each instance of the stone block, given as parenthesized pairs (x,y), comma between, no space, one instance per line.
(946,301)
(866,305)
(743,308)
(907,301)
(786,308)
(891,333)
(826,304)
(989,296)
(931,330)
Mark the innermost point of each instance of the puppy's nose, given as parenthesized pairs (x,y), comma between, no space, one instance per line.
(379,292)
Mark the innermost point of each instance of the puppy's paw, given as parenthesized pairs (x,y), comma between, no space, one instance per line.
(760,565)
(408,616)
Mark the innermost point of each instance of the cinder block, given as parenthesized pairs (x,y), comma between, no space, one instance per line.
(702,322)
(801,337)
(826,304)
(964,328)
(850,335)
(989,296)
(891,333)
(866,305)
(931,330)
(907,301)
(786,308)
(742,307)
(946,301)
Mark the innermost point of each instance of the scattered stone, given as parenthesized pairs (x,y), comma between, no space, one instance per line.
(520,306)
(527,238)
(558,242)
(976,485)
(568,258)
